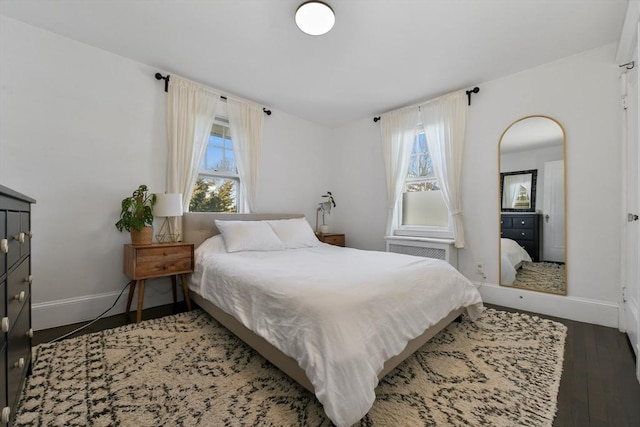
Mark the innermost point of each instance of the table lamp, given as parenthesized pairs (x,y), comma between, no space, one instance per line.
(169,206)
(325,208)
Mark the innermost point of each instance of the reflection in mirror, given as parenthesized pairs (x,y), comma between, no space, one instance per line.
(532,205)
(518,191)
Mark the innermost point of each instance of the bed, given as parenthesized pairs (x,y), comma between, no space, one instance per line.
(336,320)
(512,256)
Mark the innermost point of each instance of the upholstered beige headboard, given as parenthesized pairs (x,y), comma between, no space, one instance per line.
(199,226)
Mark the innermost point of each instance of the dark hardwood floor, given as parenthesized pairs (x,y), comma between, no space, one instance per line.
(47,335)
(598,386)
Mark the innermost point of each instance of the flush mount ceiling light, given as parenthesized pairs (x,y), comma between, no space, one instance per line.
(315,18)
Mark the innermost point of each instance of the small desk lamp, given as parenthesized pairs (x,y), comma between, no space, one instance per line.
(169,206)
(325,208)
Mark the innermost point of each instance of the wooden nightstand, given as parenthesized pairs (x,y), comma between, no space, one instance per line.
(336,239)
(142,262)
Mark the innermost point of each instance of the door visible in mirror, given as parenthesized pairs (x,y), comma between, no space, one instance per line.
(532,205)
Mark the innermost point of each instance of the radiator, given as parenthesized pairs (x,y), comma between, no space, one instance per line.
(424,247)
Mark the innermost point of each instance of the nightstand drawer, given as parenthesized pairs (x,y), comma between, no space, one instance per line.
(162,267)
(163,255)
(143,262)
(333,239)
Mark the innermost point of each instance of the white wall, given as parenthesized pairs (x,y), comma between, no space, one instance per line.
(294,169)
(80,129)
(358,183)
(581,92)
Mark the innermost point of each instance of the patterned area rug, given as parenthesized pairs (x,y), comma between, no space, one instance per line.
(187,370)
(542,276)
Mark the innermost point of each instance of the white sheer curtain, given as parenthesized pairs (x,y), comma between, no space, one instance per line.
(444,120)
(398,130)
(246,123)
(190,113)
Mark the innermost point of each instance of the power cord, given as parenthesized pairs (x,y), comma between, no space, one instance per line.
(93,321)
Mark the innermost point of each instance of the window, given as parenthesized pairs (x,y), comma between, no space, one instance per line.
(422,207)
(217,186)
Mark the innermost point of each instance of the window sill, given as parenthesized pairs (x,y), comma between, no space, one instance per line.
(444,241)
(423,233)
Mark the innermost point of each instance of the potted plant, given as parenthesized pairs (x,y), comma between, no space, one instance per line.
(137,216)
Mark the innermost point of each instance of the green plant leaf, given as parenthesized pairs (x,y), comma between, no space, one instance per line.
(137,210)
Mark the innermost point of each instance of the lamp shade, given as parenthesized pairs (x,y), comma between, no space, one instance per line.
(168,204)
(315,18)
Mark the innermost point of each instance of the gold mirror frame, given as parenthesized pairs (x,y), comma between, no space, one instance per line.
(539,274)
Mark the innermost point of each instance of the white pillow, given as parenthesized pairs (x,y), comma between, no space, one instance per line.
(294,233)
(213,245)
(248,236)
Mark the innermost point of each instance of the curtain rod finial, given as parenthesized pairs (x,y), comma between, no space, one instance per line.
(166,80)
(469,92)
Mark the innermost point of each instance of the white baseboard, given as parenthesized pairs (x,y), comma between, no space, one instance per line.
(632,314)
(51,314)
(67,311)
(566,307)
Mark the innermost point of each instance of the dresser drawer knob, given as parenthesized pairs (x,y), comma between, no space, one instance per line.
(5,324)
(523,234)
(29,333)
(4,246)
(522,223)
(21,296)
(19,363)
(28,279)
(6,413)
(19,237)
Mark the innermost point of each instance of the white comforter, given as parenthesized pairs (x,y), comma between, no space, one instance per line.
(512,255)
(340,312)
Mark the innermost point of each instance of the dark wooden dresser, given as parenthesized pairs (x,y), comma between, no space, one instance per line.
(526,229)
(15,293)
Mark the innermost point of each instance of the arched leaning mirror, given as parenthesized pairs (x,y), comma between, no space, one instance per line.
(532,205)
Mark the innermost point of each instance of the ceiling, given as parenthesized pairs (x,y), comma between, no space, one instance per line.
(381,54)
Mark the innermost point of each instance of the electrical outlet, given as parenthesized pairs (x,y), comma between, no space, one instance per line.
(480,269)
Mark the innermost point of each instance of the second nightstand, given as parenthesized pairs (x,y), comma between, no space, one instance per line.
(143,262)
(336,239)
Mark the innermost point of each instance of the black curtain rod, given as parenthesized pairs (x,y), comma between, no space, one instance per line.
(628,65)
(469,92)
(166,89)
